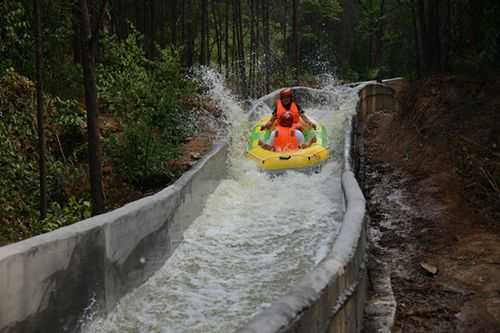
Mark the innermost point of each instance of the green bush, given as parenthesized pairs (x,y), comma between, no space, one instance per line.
(19,183)
(141,156)
(145,96)
(15,36)
(59,216)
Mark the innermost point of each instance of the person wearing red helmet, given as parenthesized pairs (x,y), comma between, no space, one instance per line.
(285,136)
(286,104)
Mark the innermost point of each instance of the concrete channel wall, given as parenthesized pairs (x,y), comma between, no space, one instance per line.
(49,283)
(332,297)
(374,97)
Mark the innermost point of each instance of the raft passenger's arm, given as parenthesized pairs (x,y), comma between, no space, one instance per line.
(307,145)
(270,123)
(265,146)
(308,121)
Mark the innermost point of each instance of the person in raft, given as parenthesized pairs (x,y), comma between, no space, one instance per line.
(285,136)
(286,103)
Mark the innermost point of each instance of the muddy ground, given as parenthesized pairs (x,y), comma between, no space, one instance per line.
(432,185)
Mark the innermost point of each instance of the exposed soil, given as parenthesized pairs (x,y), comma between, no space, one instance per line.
(432,187)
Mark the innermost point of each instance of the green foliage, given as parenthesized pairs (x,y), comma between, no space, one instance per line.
(19,192)
(15,36)
(145,96)
(63,73)
(328,10)
(17,189)
(393,25)
(481,57)
(60,216)
(468,33)
(141,155)
(17,45)
(70,123)
(68,115)
(316,20)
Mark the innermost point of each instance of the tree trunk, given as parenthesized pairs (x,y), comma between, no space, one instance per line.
(183,22)
(42,165)
(151,28)
(139,15)
(296,40)
(444,34)
(434,36)
(476,13)
(252,48)
(267,45)
(126,11)
(258,15)
(189,40)
(204,33)
(422,33)
(378,44)
(285,33)
(207,34)
(173,23)
(218,34)
(77,51)
(418,55)
(240,46)
(234,47)
(89,46)
(226,36)
(161,21)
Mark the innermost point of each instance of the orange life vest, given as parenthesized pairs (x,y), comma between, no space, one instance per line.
(280,109)
(285,139)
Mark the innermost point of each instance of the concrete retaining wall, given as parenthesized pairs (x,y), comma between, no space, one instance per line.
(373,97)
(49,283)
(332,297)
(380,313)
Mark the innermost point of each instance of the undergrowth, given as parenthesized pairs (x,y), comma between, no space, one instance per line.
(143,122)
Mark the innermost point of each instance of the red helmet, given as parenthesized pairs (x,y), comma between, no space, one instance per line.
(287,92)
(286,119)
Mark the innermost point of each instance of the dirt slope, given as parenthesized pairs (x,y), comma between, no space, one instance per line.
(433,177)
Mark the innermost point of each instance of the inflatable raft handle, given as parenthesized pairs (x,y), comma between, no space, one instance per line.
(286,158)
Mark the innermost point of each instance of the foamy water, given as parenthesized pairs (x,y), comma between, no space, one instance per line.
(256,236)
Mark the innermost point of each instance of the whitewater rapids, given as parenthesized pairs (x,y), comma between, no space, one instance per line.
(256,236)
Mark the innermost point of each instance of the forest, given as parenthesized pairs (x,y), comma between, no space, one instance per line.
(97,95)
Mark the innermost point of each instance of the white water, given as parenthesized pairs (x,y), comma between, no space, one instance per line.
(256,237)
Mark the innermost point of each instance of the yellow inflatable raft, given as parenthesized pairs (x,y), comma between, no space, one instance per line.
(307,158)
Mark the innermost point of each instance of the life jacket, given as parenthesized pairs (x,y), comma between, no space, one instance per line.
(285,139)
(280,109)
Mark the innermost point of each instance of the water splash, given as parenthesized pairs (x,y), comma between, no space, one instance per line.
(328,81)
(256,236)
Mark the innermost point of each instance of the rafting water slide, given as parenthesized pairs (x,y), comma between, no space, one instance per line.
(224,248)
